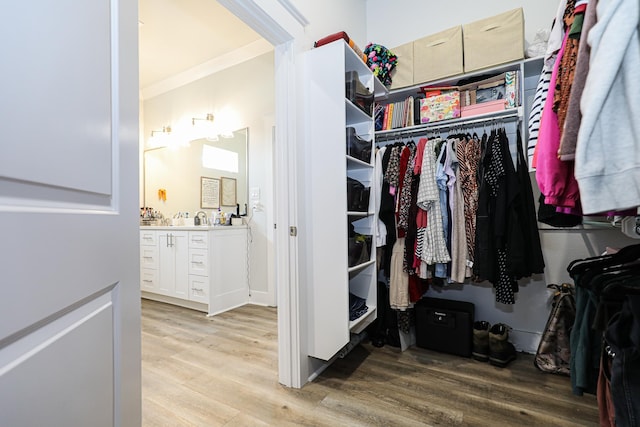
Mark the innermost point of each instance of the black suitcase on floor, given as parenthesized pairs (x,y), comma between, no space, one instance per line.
(445,325)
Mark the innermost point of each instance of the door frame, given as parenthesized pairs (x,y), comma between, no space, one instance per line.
(282,25)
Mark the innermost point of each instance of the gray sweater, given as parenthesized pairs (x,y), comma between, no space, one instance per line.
(607,163)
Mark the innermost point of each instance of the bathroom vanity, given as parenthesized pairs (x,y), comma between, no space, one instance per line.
(199,267)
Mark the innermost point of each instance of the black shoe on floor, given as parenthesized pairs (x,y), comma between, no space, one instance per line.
(481,341)
(501,351)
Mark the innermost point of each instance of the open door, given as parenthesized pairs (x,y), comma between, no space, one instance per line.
(69,276)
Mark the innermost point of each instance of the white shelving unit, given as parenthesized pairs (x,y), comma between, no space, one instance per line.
(529,73)
(324,227)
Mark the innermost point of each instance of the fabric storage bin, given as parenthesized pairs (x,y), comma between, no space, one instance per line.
(445,325)
(494,40)
(402,74)
(438,55)
(440,107)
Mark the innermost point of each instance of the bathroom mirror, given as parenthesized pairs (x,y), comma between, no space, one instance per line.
(173,176)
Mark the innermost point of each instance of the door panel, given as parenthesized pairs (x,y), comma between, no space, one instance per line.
(69,259)
(29,381)
(67,62)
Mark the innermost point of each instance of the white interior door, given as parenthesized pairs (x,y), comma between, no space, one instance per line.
(69,276)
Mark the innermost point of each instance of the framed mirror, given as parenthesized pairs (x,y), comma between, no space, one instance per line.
(180,171)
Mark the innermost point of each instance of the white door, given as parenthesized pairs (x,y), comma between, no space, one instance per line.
(69,277)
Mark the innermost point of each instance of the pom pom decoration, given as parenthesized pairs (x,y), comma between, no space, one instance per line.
(381,62)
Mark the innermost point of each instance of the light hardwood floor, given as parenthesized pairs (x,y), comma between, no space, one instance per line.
(222,371)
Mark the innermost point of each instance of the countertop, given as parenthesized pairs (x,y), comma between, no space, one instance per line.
(192,227)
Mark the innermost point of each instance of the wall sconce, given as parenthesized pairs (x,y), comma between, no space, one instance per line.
(159,138)
(205,130)
(208,118)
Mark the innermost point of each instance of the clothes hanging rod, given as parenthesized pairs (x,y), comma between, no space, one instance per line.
(510,115)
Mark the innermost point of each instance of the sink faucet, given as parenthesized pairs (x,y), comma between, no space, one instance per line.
(202,221)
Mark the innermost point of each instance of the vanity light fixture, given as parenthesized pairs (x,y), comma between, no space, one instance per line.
(205,130)
(208,118)
(159,138)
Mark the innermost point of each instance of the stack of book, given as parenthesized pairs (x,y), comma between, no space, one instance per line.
(395,115)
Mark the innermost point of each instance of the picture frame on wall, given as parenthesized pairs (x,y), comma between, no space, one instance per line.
(209,193)
(228,190)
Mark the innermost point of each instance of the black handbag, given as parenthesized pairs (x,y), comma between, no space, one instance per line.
(358,93)
(357,196)
(357,147)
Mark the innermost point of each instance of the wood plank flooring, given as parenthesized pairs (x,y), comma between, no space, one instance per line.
(222,371)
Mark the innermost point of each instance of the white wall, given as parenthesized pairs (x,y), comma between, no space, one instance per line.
(331,16)
(401,21)
(248,90)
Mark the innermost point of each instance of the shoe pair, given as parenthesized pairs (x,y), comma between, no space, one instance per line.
(491,343)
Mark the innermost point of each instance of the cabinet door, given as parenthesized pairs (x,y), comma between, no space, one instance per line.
(173,272)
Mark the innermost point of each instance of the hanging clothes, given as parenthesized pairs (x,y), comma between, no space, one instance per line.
(506,247)
(607,164)
(441,269)
(458,270)
(569,139)
(469,153)
(568,62)
(387,213)
(555,178)
(380,228)
(542,88)
(434,248)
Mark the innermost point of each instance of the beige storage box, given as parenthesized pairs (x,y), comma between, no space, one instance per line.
(402,74)
(493,41)
(438,56)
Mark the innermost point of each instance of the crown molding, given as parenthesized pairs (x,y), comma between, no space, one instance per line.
(212,66)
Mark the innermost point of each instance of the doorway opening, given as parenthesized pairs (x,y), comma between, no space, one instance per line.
(278,256)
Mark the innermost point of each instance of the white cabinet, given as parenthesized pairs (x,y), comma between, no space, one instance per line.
(199,266)
(204,268)
(327,276)
(173,271)
(149,261)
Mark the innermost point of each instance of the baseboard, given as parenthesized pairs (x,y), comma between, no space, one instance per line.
(525,341)
(261,298)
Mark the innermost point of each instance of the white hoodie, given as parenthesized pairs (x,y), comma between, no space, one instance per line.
(607,164)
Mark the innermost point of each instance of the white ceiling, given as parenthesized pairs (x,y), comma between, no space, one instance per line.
(177,35)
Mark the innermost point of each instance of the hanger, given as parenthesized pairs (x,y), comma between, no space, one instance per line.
(626,255)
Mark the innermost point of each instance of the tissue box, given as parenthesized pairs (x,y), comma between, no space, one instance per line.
(444,106)
(495,40)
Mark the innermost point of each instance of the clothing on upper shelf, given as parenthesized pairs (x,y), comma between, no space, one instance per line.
(464,199)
